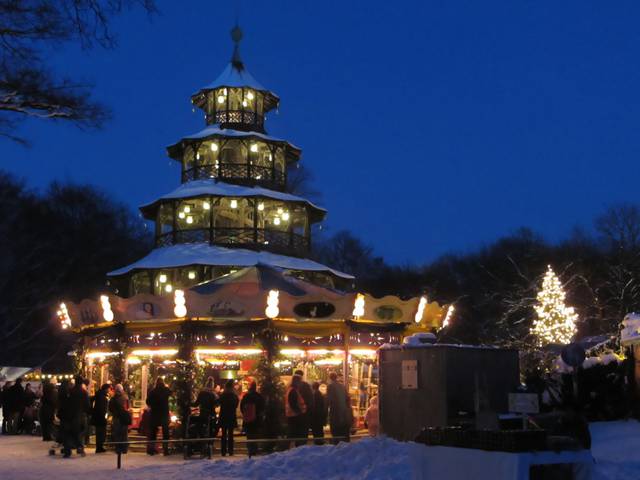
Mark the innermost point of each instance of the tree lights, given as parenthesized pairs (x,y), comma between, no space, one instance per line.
(448,316)
(556,323)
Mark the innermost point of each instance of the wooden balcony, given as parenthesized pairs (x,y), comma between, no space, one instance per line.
(238,173)
(276,241)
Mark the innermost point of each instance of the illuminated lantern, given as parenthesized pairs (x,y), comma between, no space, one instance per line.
(358,306)
(107,313)
(180,309)
(420,312)
(272,309)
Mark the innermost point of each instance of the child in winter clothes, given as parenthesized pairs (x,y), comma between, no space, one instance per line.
(371,416)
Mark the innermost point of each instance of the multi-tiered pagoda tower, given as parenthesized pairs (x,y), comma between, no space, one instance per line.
(175,308)
(232,209)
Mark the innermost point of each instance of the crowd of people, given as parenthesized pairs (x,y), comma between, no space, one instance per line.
(306,408)
(74,409)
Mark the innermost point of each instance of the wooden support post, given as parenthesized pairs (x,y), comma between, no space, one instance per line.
(345,368)
(255,222)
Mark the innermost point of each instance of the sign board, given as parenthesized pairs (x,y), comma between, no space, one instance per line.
(409,374)
(523,403)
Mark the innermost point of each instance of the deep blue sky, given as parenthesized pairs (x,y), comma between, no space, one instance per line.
(429,126)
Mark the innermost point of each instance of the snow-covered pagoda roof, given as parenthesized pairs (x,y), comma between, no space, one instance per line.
(213,188)
(232,76)
(236,75)
(182,255)
(214,131)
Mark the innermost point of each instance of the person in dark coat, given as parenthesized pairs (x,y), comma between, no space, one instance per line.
(74,406)
(29,409)
(16,406)
(318,414)
(228,421)
(295,411)
(120,418)
(158,402)
(252,408)
(307,395)
(206,402)
(48,405)
(99,416)
(339,405)
(61,409)
(6,406)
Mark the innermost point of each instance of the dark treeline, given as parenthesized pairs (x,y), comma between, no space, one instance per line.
(56,244)
(494,288)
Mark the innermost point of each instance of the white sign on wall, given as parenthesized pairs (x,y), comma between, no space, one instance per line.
(409,374)
(523,403)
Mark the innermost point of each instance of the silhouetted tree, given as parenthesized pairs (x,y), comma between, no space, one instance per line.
(29,30)
(56,245)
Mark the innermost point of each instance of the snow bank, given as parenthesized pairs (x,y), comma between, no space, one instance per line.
(368,459)
(615,447)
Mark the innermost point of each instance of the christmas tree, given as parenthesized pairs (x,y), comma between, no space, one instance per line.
(556,323)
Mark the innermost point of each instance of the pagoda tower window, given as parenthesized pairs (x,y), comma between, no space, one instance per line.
(236,107)
(141,283)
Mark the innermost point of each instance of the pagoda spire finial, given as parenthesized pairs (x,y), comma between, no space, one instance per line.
(236,36)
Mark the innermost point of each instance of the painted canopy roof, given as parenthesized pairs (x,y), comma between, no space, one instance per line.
(229,305)
(261,279)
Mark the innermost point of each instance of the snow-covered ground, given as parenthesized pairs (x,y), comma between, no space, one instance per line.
(615,448)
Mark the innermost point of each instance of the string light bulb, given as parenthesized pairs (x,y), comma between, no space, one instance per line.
(448,316)
(63,316)
(233,203)
(261,206)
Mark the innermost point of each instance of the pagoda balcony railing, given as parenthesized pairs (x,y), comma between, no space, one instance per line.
(243,118)
(242,173)
(277,241)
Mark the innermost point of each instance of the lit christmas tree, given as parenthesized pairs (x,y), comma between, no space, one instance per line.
(556,323)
